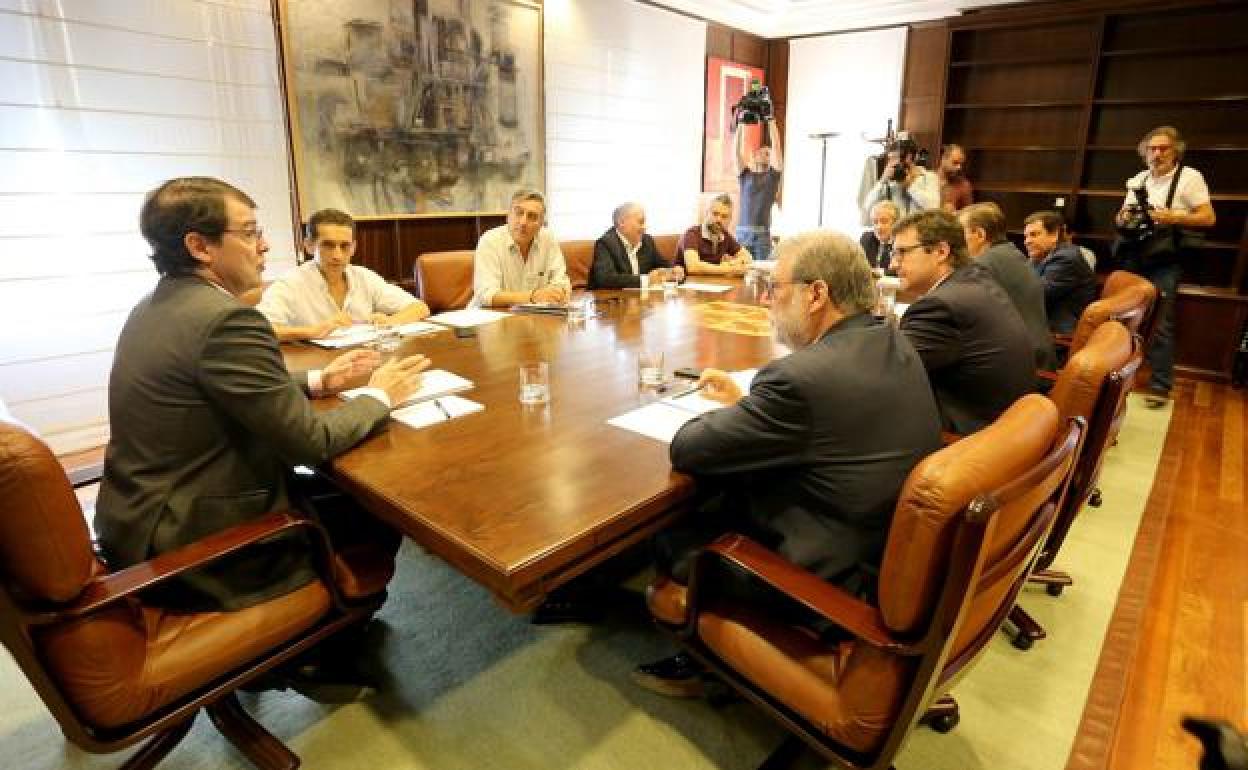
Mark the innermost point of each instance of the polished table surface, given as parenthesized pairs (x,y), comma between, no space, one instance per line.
(523,498)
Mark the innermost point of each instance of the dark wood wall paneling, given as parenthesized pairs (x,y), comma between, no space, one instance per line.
(1050,99)
(770,55)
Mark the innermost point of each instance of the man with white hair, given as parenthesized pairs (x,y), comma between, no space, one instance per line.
(625,253)
(800,472)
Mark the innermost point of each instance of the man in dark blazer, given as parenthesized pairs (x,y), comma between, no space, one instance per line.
(812,459)
(1069,283)
(625,253)
(877,242)
(972,341)
(206,422)
(983,224)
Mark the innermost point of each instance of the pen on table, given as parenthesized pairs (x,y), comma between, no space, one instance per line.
(442,409)
(691,391)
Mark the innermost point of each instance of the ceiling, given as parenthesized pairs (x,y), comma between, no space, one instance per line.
(786,18)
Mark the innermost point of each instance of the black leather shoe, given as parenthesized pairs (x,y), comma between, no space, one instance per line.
(676,677)
(1156,398)
(325,683)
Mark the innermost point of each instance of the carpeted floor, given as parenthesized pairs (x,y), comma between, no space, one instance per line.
(475,687)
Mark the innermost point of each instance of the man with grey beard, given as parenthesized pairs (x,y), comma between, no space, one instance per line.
(811,461)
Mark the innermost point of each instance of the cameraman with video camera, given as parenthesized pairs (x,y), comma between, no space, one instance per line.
(759,174)
(904,180)
(1163,205)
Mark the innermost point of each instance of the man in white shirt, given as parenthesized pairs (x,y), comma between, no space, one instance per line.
(329,292)
(520,262)
(1191,208)
(908,185)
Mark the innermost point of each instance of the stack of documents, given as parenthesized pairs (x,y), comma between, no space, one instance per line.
(471,316)
(434,383)
(662,419)
(434,411)
(360,334)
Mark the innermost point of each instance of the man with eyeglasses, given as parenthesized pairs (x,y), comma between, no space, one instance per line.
(972,340)
(1177,217)
(206,423)
(520,262)
(329,292)
(811,461)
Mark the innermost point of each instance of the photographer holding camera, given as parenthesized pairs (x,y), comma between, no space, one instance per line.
(1163,205)
(904,180)
(759,174)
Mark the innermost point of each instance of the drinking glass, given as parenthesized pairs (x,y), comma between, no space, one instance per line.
(535,383)
(650,368)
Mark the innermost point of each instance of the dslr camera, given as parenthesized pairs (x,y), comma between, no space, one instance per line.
(908,153)
(753,107)
(1138,224)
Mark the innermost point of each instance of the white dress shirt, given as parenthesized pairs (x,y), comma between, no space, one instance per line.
(301,297)
(631,251)
(498,266)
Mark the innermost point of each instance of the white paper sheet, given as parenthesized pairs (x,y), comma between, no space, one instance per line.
(347,336)
(418,327)
(428,413)
(434,383)
(764,264)
(471,316)
(658,421)
(711,287)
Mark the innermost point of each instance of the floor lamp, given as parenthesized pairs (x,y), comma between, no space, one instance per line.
(823,166)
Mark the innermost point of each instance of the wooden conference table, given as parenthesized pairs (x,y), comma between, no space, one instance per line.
(522,498)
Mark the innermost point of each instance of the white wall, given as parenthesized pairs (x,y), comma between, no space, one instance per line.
(849,83)
(99,102)
(624,91)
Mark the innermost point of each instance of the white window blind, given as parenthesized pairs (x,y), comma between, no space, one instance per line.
(624,95)
(99,103)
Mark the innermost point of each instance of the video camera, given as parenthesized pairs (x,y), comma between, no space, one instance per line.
(753,107)
(1138,225)
(908,152)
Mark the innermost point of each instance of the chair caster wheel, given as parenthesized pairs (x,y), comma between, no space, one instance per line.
(1054,589)
(1022,642)
(945,722)
(1095,499)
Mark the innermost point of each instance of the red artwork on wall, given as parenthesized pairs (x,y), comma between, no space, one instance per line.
(726,82)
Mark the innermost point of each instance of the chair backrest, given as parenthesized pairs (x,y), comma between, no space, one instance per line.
(444,279)
(1093,385)
(1016,465)
(1119,280)
(45,547)
(666,246)
(579,258)
(1132,305)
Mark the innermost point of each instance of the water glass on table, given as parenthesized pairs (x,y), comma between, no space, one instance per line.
(650,368)
(535,383)
(388,339)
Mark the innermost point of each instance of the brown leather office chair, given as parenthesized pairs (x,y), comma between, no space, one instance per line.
(1126,298)
(666,246)
(1093,386)
(968,524)
(578,256)
(114,671)
(444,279)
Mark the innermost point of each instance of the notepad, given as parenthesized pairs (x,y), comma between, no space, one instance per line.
(434,383)
(418,327)
(662,419)
(436,410)
(692,400)
(471,316)
(346,336)
(711,287)
(541,308)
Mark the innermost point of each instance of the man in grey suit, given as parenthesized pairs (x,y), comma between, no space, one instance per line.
(206,421)
(983,224)
(813,457)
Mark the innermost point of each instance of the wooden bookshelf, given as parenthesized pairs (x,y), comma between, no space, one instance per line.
(1050,102)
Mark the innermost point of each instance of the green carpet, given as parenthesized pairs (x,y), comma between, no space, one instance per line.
(475,687)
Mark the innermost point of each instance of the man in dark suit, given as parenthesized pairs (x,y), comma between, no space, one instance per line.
(877,242)
(983,224)
(625,253)
(1069,283)
(971,339)
(813,457)
(206,422)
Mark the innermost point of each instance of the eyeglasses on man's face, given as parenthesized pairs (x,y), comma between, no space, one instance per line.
(900,252)
(248,234)
(768,284)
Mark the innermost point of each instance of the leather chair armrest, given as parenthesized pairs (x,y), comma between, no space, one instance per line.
(1049,377)
(1063,340)
(105,590)
(948,437)
(829,601)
